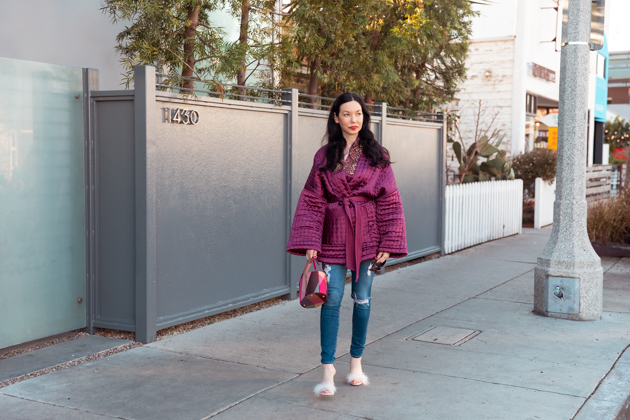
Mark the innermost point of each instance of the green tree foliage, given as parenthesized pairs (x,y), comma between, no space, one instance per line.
(406,52)
(178,37)
(260,42)
(175,36)
(424,43)
(327,37)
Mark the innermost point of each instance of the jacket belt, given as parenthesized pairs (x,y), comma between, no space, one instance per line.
(354,234)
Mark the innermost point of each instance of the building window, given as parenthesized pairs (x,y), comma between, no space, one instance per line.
(600,67)
(530,104)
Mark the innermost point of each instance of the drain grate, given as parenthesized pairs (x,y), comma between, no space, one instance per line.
(445,335)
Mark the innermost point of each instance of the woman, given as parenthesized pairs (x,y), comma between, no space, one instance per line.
(348,215)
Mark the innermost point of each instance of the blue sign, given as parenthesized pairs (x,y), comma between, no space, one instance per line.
(601,87)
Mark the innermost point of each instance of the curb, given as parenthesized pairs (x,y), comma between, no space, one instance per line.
(611,399)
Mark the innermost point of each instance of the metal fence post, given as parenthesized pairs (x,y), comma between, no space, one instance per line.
(382,128)
(443,146)
(291,95)
(90,83)
(145,201)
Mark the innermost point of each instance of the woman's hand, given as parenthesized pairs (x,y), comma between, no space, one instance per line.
(381,257)
(311,254)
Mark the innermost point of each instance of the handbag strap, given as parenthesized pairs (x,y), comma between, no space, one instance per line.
(307,266)
(315,265)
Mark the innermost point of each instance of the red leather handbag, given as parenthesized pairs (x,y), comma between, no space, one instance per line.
(313,286)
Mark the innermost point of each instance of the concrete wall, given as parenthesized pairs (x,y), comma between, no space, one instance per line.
(65,32)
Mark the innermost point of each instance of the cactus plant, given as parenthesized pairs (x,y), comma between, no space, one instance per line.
(474,171)
(482,160)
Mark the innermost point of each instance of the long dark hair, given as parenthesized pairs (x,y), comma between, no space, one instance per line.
(336,143)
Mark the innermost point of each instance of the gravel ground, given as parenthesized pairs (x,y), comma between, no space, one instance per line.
(22,350)
(71,363)
(182,328)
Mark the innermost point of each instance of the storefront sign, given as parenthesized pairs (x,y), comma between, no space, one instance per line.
(552,140)
(543,73)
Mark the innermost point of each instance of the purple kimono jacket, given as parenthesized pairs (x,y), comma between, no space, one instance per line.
(326,215)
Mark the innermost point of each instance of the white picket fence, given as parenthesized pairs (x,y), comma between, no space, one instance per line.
(543,206)
(478,212)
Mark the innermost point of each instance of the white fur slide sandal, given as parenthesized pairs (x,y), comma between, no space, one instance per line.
(327,387)
(357,379)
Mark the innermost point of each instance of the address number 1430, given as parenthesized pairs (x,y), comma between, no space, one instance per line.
(181,116)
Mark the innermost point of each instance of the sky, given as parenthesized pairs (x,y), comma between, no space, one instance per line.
(618,30)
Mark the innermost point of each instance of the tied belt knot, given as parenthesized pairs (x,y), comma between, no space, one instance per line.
(354,232)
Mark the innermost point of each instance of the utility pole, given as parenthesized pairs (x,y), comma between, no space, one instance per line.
(568,275)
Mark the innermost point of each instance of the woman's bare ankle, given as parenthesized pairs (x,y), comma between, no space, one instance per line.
(328,372)
(355,365)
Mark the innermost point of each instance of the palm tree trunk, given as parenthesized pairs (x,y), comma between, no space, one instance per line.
(314,82)
(242,40)
(190,32)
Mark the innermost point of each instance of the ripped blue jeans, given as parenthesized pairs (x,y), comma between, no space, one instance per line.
(329,317)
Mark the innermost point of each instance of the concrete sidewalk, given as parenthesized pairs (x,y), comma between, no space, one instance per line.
(264,365)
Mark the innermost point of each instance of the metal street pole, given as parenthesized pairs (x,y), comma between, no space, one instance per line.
(568,276)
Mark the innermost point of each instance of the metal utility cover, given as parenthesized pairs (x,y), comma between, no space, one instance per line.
(446,335)
(563,295)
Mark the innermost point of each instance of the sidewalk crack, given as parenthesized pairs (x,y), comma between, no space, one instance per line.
(475,380)
(247,398)
(611,267)
(64,406)
(232,361)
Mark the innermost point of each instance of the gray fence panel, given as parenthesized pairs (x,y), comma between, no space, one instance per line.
(116,270)
(221,208)
(416,150)
(311,130)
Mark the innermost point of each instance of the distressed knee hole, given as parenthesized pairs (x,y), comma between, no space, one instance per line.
(327,269)
(361,301)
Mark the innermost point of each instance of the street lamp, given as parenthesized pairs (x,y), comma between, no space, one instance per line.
(568,276)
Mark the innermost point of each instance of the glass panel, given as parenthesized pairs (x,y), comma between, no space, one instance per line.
(42,251)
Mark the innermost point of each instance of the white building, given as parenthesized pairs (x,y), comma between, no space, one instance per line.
(514,69)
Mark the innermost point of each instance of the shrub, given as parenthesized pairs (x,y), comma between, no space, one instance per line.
(539,163)
(609,220)
(618,155)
